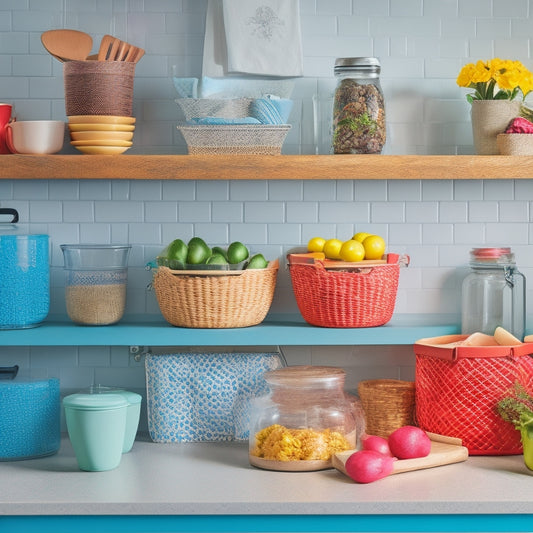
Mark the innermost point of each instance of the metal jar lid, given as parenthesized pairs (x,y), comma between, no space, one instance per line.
(368,64)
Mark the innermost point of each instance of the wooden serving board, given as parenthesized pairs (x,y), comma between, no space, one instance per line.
(444,451)
(311,258)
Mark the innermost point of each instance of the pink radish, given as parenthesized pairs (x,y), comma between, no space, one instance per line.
(409,442)
(366,466)
(378,444)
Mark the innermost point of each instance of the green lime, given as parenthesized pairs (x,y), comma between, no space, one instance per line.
(221,251)
(177,250)
(198,251)
(237,252)
(257,261)
(216,259)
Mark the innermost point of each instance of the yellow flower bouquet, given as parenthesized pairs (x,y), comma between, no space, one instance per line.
(496,79)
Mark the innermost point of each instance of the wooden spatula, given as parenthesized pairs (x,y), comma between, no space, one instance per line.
(67,45)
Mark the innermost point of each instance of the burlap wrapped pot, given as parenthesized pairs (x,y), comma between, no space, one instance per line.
(99,87)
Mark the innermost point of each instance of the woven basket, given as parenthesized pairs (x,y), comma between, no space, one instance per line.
(489,118)
(99,87)
(388,404)
(259,139)
(345,299)
(213,300)
(214,107)
(457,389)
(515,143)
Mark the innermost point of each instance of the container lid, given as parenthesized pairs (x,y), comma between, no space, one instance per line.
(492,255)
(10,375)
(306,376)
(8,225)
(95,402)
(131,397)
(369,64)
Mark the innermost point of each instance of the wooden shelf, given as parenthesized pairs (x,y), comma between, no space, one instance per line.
(282,167)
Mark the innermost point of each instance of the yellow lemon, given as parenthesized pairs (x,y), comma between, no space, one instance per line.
(361,236)
(374,247)
(332,247)
(352,251)
(316,244)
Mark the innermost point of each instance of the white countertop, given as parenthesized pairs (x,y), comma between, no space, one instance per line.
(216,479)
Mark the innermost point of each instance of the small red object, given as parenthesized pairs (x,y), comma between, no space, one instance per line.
(520,125)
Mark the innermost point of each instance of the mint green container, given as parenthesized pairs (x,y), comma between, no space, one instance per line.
(96,425)
(133,413)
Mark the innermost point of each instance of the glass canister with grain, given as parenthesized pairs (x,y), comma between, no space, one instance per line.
(304,420)
(95,282)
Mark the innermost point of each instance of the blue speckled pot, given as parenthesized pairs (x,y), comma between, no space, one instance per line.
(29,418)
(24,280)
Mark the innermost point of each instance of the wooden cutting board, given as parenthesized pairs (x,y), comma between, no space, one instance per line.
(444,451)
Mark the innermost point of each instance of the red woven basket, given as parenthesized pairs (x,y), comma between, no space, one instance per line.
(457,389)
(342,299)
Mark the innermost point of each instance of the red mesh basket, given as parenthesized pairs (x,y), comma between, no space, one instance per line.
(458,387)
(345,299)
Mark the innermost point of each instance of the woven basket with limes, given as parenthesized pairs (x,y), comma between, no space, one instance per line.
(198,286)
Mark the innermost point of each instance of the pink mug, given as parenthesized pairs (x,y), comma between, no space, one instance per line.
(5,117)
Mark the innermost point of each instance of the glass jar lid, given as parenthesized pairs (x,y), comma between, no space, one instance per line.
(492,255)
(304,376)
(367,64)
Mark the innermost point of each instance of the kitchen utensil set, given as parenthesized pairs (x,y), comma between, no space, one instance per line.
(73,45)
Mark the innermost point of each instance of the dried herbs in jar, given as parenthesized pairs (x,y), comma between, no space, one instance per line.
(359,107)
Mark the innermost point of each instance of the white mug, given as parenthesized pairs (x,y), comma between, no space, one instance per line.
(35,136)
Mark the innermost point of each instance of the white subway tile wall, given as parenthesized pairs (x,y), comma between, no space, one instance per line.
(422,45)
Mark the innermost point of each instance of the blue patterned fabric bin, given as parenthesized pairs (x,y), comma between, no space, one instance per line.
(204,397)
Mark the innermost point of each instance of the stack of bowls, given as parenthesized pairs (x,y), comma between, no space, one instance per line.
(101,134)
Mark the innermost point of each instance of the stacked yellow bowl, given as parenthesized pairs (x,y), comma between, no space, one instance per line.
(101,134)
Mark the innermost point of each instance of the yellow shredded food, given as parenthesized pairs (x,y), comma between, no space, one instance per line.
(279,443)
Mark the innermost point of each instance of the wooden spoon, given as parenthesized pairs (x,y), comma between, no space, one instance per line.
(67,45)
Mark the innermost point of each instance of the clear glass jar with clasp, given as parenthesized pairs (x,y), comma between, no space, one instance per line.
(303,422)
(358,107)
(493,293)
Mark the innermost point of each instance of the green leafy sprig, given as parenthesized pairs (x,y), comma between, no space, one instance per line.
(517,408)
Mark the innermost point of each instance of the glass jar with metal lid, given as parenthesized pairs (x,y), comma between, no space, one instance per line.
(304,421)
(359,107)
(493,293)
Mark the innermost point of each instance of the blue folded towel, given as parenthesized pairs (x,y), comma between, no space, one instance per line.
(271,110)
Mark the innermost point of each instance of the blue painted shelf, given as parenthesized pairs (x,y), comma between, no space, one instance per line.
(284,330)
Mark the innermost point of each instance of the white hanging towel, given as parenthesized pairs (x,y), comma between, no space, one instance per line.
(263,37)
(215,59)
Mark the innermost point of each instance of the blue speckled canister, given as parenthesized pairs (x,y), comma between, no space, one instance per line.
(29,418)
(24,277)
